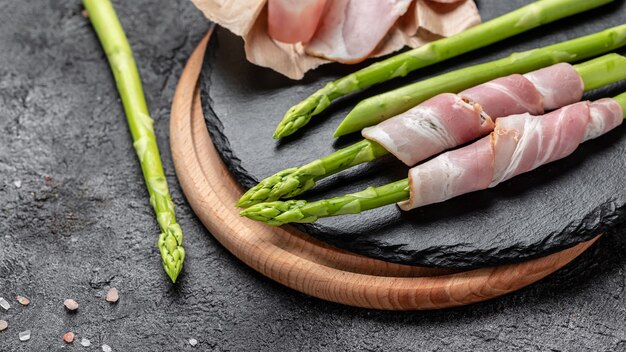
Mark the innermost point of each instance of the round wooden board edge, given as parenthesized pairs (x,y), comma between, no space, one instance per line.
(298,261)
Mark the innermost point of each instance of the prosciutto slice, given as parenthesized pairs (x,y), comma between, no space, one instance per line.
(293,21)
(519,143)
(433,126)
(350,30)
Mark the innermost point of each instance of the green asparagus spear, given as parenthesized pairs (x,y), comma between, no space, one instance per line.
(120,56)
(301,211)
(510,24)
(383,106)
(279,213)
(289,183)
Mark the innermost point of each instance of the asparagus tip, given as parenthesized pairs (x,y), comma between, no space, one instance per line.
(278,213)
(283,184)
(283,130)
(172,251)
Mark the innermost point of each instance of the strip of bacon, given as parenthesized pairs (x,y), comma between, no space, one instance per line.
(293,21)
(570,87)
(519,143)
(506,96)
(433,126)
(440,123)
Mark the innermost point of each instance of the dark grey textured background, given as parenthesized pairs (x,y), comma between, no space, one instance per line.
(80,222)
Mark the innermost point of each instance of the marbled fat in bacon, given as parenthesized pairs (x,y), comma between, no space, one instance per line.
(506,96)
(451,174)
(519,143)
(437,124)
(525,142)
(606,115)
(559,84)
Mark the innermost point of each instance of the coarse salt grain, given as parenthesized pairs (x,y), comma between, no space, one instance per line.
(85,342)
(4,304)
(106,348)
(193,342)
(71,304)
(24,335)
(23,300)
(112,295)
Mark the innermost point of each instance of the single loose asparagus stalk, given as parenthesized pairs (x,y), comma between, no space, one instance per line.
(120,56)
(381,107)
(300,211)
(289,183)
(508,25)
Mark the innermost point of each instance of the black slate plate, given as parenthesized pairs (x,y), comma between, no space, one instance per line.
(551,208)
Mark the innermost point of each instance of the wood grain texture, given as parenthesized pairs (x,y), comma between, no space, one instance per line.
(296,260)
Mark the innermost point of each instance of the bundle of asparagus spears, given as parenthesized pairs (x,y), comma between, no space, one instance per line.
(424,119)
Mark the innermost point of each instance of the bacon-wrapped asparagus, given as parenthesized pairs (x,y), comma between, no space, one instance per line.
(448,120)
(518,144)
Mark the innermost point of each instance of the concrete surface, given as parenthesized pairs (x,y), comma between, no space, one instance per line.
(75,221)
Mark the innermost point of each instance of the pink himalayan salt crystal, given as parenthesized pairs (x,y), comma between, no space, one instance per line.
(71,304)
(112,295)
(23,300)
(68,337)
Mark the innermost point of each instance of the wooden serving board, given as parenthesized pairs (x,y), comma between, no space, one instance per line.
(295,259)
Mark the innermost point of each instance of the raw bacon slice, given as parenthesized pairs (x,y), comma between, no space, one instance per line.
(537,140)
(293,21)
(506,96)
(410,137)
(439,123)
(606,115)
(451,174)
(351,29)
(519,143)
(559,84)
